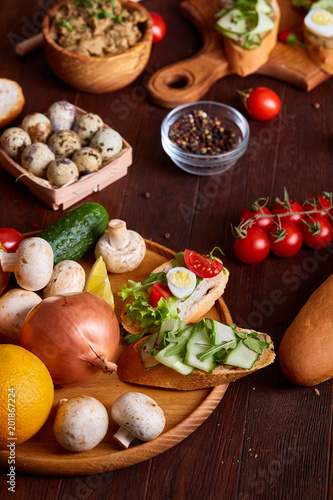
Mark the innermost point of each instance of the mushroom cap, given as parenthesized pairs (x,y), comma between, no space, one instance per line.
(124,260)
(34,263)
(68,276)
(139,414)
(81,423)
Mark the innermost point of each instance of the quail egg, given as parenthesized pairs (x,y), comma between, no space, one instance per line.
(36,157)
(62,115)
(319,22)
(64,143)
(88,160)
(181,281)
(13,141)
(108,142)
(38,126)
(61,171)
(86,126)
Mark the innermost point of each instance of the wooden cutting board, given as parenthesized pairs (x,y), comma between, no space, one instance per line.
(189,80)
(185,411)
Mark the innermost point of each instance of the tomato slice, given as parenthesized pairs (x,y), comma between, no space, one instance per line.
(157,292)
(10,239)
(202,266)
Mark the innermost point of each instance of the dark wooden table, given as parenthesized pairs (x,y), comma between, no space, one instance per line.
(267,438)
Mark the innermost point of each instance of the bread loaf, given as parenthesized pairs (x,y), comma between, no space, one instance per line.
(11,101)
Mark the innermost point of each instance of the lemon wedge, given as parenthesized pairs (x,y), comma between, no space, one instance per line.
(98,282)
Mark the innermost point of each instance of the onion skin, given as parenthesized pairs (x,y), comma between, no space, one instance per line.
(76,336)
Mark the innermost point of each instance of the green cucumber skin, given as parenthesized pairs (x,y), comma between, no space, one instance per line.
(74,233)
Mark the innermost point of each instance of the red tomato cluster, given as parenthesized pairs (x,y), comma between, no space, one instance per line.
(284,229)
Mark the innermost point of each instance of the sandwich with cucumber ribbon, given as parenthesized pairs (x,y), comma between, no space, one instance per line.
(171,343)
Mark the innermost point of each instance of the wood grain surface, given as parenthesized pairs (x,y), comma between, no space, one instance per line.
(188,80)
(266,439)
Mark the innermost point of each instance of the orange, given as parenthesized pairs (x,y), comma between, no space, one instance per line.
(26,395)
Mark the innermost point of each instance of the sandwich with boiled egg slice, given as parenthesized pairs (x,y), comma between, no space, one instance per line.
(171,343)
(318,34)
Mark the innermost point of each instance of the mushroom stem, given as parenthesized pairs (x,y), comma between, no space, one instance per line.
(118,235)
(7,261)
(123,437)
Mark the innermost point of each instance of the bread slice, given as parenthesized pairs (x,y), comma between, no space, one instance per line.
(194,307)
(247,61)
(131,370)
(321,55)
(11,101)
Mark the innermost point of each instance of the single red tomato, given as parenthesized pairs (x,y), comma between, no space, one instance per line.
(296,211)
(10,239)
(157,292)
(254,247)
(202,266)
(262,103)
(318,203)
(286,241)
(317,231)
(159,27)
(264,223)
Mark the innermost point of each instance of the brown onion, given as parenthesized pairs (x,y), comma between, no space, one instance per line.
(76,335)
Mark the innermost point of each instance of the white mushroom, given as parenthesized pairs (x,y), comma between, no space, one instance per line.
(122,249)
(14,307)
(139,416)
(81,423)
(32,263)
(68,276)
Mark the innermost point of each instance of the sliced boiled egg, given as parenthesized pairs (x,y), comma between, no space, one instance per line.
(181,281)
(319,22)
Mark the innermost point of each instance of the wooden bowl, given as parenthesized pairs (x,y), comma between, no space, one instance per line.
(93,74)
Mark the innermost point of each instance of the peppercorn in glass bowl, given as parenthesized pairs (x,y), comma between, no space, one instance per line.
(205,137)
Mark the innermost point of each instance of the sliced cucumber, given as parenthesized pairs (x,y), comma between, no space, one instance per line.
(199,342)
(323,4)
(223,333)
(175,362)
(265,23)
(241,356)
(147,359)
(263,6)
(233,22)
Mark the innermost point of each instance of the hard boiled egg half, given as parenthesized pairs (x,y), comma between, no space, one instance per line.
(181,282)
(319,22)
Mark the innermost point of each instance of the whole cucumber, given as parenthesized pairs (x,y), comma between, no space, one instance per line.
(75,232)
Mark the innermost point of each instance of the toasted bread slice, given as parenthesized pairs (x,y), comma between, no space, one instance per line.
(131,370)
(321,55)
(11,101)
(245,61)
(194,307)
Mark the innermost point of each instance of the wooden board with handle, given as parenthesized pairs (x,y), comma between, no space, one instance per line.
(185,411)
(189,80)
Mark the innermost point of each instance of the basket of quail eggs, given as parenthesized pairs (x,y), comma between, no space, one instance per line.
(64,154)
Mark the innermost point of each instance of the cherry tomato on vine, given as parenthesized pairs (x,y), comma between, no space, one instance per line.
(202,266)
(317,231)
(289,206)
(159,27)
(10,239)
(286,241)
(157,292)
(264,223)
(262,103)
(254,247)
(317,203)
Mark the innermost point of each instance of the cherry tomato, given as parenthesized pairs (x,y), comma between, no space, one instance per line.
(10,239)
(289,206)
(159,27)
(317,203)
(286,241)
(263,103)
(202,266)
(157,292)
(254,247)
(264,223)
(320,232)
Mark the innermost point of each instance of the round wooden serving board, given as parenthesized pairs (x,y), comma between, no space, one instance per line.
(184,410)
(189,80)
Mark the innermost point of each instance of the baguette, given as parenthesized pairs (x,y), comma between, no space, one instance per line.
(131,370)
(11,101)
(193,308)
(246,61)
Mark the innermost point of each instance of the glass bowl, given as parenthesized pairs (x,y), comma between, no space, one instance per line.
(203,164)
